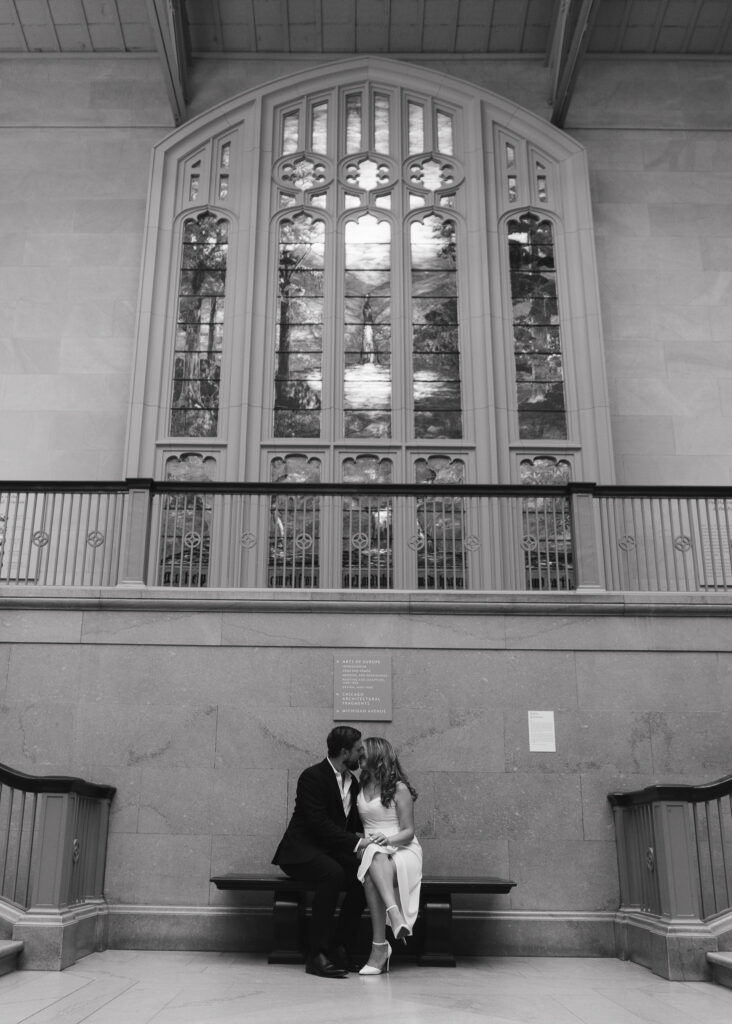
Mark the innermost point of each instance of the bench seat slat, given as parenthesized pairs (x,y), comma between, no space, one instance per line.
(436,883)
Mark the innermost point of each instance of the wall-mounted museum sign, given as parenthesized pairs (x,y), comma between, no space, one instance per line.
(362,686)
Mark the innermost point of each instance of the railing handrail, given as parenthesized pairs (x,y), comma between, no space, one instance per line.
(669,791)
(265,487)
(54,784)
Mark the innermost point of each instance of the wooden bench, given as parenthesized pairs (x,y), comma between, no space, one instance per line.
(433,931)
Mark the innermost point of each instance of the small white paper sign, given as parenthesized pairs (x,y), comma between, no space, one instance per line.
(541,731)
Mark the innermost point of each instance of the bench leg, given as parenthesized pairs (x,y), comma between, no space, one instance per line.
(288,920)
(436,945)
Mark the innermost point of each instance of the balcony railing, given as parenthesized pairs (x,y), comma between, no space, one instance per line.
(53,839)
(365,537)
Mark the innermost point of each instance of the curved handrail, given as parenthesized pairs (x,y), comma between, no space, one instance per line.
(53,784)
(691,794)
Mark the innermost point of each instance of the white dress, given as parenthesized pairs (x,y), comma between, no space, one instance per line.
(407,858)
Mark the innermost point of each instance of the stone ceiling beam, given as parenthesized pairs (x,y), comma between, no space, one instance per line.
(569,44)
(167,18)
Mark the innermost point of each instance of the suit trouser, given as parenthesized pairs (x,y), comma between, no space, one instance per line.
(331,876)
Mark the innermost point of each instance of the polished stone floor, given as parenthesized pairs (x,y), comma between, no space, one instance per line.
(128,987)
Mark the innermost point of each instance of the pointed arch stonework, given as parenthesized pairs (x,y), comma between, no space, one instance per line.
(353,139)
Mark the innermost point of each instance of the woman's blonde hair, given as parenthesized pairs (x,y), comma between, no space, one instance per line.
(382,768)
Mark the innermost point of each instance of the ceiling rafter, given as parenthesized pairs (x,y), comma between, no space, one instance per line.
(84,24)
(19,24)
(571,55)
(171,41)
(724,30)
(660,19)
(692,26)
(524,27)
(286,35)
(219,23)
(52,23)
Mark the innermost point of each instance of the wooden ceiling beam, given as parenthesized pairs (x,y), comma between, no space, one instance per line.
(571,48)
(171,41)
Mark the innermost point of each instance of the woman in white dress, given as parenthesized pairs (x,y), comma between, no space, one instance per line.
(391,863)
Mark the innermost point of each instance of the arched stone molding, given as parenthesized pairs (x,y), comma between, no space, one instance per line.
(513,162)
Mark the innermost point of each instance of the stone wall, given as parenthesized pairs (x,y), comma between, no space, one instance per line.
(75,143)
(202,714)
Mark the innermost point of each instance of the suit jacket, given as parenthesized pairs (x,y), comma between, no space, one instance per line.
(318,823)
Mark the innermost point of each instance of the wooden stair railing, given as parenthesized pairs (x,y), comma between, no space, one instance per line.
(675,849)
(53,839)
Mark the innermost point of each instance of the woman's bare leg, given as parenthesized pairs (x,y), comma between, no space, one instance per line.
(382,871)
(377,910)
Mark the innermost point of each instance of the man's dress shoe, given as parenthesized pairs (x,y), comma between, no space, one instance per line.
(322,966)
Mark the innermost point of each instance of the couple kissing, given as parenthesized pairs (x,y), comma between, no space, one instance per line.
(354,835)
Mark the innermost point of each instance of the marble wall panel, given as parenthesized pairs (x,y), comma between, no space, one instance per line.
(449,741)
(584,875)
(642,94)
(586,741)
(271,737)
(363,630)
(167,674)
(424,807)
(36,735)
(25,625)
(465,680)
(633,434)
(443,855)
(691,470)
(494,805)
(310,674)
(524,82)
(249,803)
(625,219)
(151,628)
(242,854)
(701,740)
(41,672)
(125,808)
(645,681)
(575,633)
(176,801)
(81,91)
(115,734)
(4,665)
(158,869)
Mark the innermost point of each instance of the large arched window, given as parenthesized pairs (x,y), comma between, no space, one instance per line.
(369,272)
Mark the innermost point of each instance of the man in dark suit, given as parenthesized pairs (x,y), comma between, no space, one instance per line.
(319,846)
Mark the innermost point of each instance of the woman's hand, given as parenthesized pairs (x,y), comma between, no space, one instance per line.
(379,838)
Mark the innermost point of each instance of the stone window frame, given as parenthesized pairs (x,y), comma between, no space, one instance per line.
(552,181)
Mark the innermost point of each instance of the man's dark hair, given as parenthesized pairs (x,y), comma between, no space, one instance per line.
(342,738)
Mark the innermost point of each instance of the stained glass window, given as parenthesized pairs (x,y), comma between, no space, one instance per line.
(199,332)
(435,349)
(300,317)
(536,332)
(367,379)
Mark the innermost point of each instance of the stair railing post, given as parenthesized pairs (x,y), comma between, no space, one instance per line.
(53,867)
(676,859)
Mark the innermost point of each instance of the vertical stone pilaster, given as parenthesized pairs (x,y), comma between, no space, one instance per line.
(588,569)
(135,535)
